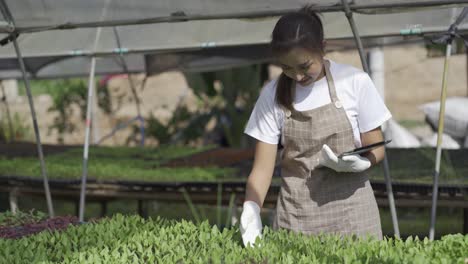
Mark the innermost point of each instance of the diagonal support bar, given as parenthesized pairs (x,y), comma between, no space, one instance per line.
(7,14)
(132,87)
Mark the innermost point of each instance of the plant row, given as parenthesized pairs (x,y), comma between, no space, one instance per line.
(131,239)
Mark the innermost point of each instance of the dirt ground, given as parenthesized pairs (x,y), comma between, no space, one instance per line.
(411,79)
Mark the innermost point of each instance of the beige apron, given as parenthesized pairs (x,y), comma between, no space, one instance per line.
(314,200)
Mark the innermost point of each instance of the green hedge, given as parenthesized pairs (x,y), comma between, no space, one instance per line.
(131,239)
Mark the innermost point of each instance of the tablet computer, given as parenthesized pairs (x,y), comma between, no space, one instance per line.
(365,148)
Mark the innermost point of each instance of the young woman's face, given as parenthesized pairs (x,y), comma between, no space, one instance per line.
(302,65)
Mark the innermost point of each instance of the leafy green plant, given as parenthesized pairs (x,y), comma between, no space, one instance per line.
(20,218)
(125,239)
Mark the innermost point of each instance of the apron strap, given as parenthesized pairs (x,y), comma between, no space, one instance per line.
(331,84)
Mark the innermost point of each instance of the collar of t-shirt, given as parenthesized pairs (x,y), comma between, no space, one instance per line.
(311,96)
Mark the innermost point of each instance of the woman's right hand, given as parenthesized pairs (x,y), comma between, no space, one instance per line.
(256,189)
(250,223)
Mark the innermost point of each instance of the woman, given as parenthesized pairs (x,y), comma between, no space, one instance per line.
(317,109)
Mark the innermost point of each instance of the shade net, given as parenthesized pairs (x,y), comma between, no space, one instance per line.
(216,43)
(49,13)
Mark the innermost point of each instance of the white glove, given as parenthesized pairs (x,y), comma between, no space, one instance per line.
(250,223)
(349,163)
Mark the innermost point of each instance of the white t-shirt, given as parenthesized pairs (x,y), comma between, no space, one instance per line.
(354,88)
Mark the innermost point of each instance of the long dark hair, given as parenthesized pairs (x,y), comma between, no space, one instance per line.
(303,29)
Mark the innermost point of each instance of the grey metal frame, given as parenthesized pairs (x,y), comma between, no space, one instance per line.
(50,207)
(179,17)
(447,39)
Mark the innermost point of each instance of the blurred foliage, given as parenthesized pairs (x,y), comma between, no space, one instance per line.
(438,50)
(225,98)
(411,123)
(231,95)
(183,127)
(67,94)
(19,131)
(38,87)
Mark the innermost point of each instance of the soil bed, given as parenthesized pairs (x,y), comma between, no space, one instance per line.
(52,224)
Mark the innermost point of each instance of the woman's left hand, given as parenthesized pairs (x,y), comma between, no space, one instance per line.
(349,163)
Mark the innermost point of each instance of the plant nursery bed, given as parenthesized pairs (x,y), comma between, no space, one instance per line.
(132,239)
(29,149)
(220,157)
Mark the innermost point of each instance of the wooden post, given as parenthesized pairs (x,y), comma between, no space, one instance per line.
(142,209)
(465,221)
(103,208)
(77,207)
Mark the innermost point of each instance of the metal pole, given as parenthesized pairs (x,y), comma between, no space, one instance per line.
(89,109)
(87,132)
(391,200)
(95,117)
(50,207)
(357,38)
(388,183)
(376,61)
(440,130)
(446,39)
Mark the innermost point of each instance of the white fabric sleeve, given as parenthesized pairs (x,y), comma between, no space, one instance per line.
(263,123)
(372,111)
